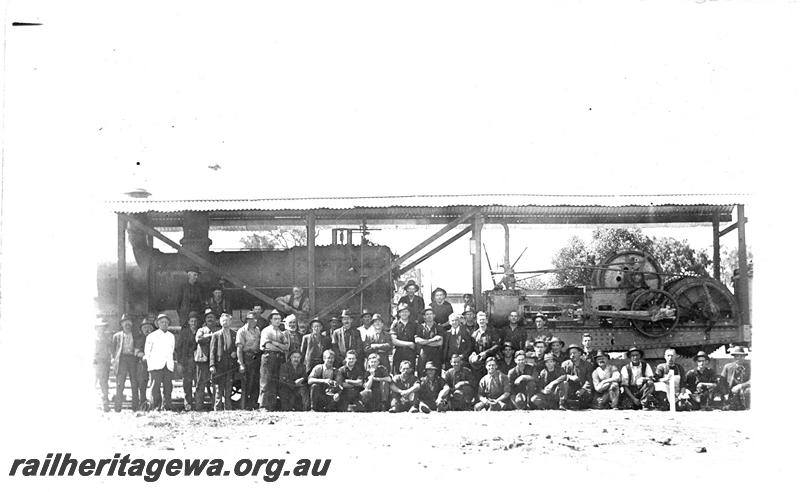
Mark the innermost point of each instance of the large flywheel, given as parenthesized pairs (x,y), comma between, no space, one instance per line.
(663,311)
(704,300)
(628,270)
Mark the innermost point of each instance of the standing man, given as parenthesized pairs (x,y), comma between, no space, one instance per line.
(735,381)
(366,324)
(404,390)
(431,390)
(274,345)
(202,357)
(402,332)
(536,358)
(701,383)
(126,352)
(664,374)
(441,308)
(506,360)
(377,386)
(261,322)
(296,303)
(577,391)
(540,323)
(468,316)
(102,360)
(292,335)
(494,389)
(186,346)
(142,375)
(605,380)
(248,355)
(334,324)
(515,333)
(190,295)
(588,351)
(428,338)
(457,340)
(551,381)
(347,338)
(314,345)
(523,379)
(159,352)
(378,342)
(458,391)
(636,378)
(293,389)
(322,382)
(487,342)
(222,362)
(218,303)
(350,377)
(414,302)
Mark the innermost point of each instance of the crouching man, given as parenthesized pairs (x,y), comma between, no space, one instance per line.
(636,378)
(701,385)
(377,387)
(577,391)
(458,392)
(293,391)
(494,389)
(605,380)
(523,380)
(735,381)
(431,391)
(350,377)
(551,380)
(404,390)
(322,382)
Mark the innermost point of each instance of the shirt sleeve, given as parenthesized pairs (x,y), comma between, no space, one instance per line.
(240,341)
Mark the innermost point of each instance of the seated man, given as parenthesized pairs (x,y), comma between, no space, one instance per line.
(550,381)
(605,380)
(494,389)
(577,391)
(664,375)
(523,379)
(701,385)
(323,384)
(350,377)
(377,386)
(636,379)
(404,390)
(292,389)
(458,391)
(735,381)
(431,391)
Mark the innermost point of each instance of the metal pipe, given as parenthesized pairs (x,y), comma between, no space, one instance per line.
(477,226)
(122,224)
(743,289)
(311,246)
(715,259)
(506,255)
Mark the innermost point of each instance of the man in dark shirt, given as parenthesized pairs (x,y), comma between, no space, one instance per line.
(577,390)
(378,341)
(323,385)
(459,390)
(428,338)
(431,395)
(258,311)
(350,377)
(557,349)
(494,389)
(514,333)
(217,302)
(457,340)
(441,308)
(469,322)
(487,342)
(551,380)
(347,338)
(127,351)
(414,302)
(190,296)
(377,387)
(735,381)
(313,345)
(293,390)
(505,360)
(701,383)
(185,348)
(523,379)
(402,332)
(404,390)
(588,352)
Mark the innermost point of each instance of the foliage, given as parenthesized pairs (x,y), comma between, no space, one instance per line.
(276,239)
(729,261)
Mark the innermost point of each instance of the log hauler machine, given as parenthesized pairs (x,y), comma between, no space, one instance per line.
(630,300)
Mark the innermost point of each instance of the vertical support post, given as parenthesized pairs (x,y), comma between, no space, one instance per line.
(715,229)
(150,280)
(311,225)
(743,289)
(477,226)
(122,224)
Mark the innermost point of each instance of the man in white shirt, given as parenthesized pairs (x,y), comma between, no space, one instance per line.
(159,352)
(274,345)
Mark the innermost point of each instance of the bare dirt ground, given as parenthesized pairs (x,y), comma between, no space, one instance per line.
(585,445)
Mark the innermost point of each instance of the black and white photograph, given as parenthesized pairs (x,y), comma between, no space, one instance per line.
(328,245)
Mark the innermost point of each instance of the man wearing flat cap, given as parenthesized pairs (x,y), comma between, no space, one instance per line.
(347,338)
(403,332)
(378,341)
(577,391)
(701,383)
(637,380)
(605,380)
(186,346)
(248,355)
(735,381)
(126,350)
(274,345)
(159,352)
(441,308)
(428,339)
(190,295)
(414,302)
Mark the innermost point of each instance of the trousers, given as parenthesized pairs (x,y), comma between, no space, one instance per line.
(270,369)
(161,392)
(127,368)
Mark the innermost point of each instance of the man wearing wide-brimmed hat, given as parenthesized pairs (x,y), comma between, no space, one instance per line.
(701,383)
(126,350)
(159,352)
(415,303)
(556,346)
(735,379)
(551,382)
(605,380)
(577,392)
(366,324)
(402,332)
(347,338)
(441,308)
(431,394)
(378,341)
(313,345)
(636,378)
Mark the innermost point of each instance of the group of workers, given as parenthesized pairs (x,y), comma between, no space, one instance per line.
(425,359)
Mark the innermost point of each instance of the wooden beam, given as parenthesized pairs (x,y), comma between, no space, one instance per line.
(477,226)
(731,228)
(743,289)
(374,278)
(715,259)
(202,262)
(311,246)
(435,250)
(121,266)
